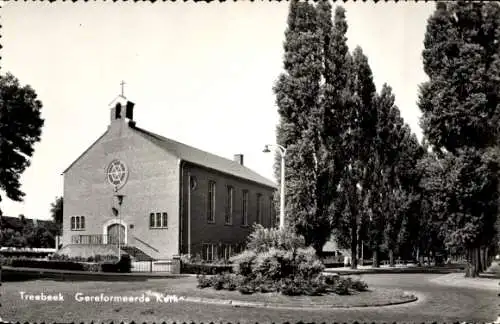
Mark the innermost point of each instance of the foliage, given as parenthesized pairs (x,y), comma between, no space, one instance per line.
(96,258)
(305,121)
(203,268)
(56,212)
(460,116)
(28,235)
(44,264)
(269,268)
(263,239)
(20,129)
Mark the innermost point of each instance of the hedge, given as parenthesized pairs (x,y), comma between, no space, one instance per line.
(124,265)
(60,265)
(209,269)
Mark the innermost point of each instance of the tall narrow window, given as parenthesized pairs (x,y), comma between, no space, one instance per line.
(158,220)
(77,223)
(164,220)
(258,219)
(244,208)
(229,205)
(211,202)
(271,214)
(82,222)
(152,220)
(73,226)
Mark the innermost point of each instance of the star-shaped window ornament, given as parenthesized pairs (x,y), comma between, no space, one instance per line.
(117,174)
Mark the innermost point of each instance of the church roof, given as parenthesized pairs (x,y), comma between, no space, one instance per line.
(199,157)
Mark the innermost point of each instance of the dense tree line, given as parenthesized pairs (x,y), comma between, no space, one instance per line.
(356,169)
(25,233)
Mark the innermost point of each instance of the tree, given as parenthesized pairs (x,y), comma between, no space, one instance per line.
(358,138)
(20,128)
(460,115)
(297,96)
(56,212)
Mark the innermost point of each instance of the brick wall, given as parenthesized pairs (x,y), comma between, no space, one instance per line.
(204,232)
(152,186)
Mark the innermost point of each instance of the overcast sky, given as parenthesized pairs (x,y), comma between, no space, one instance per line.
(198,73)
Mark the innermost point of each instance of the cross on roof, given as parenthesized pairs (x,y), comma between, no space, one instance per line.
(123,87)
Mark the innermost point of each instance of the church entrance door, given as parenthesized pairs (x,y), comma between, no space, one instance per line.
(116,233)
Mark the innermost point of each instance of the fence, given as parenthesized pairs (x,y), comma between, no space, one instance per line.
(152,266)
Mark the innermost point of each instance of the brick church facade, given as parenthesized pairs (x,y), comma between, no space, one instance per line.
(175,199)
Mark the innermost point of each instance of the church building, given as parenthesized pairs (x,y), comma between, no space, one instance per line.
(148,195)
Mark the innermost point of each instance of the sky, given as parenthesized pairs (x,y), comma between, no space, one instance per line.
(198,73)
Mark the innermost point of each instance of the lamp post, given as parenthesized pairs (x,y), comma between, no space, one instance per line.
(282,151)
(120,202)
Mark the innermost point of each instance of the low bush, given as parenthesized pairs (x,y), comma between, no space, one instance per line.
(359,285)
(96,258)
(91,267)
(263,239)
(124,265)
(203,281)
(208,269)
(6,261)
(47,264)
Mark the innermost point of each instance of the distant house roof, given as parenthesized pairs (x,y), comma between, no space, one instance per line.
(197,156)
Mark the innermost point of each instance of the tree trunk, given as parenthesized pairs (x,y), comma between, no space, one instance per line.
(375,260)
(479,263)
(354,245)
(391,257)
(472,263)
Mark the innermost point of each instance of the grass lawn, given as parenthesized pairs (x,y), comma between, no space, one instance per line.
(14,308)
(374,297)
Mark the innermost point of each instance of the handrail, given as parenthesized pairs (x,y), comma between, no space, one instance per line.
(148,245)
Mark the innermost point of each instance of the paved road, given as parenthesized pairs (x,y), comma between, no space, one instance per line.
(440,303)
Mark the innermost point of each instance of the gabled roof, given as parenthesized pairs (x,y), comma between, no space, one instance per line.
(84,152)
(199,157)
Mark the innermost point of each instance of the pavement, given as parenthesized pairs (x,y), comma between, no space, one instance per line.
(459,280)
(439,303)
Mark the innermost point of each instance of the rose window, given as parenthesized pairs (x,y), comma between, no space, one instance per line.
(117,173)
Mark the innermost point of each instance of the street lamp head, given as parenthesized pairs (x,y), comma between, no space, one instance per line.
(266,149)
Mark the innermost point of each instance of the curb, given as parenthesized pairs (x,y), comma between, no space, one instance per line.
(238,303)
(391,271)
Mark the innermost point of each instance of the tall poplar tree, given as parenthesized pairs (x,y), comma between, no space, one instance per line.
(460,114)
(302,125)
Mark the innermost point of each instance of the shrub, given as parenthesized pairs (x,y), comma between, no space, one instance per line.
(227,281)
(359,285)
(48,264)
(246,289)
(92,267)
(307,263)
(203,281)
(243,262)
(125,263)
(205,268)
(263,239)
(341,286)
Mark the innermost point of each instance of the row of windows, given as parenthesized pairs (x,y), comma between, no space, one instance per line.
(211,251)
(158,220)
(230,206)
(77,223)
